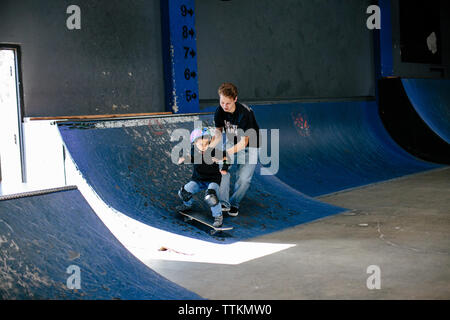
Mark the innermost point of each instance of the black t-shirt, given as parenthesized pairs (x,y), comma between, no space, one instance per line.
(242,118)
(206,172)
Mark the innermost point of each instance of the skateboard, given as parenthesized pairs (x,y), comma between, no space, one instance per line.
(189,216)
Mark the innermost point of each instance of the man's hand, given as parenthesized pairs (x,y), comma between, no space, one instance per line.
(181,160)
(223,172)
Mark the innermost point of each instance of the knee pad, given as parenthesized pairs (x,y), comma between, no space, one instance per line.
(211,198)
(184,195)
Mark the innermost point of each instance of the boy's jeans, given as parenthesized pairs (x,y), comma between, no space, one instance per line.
(246,163)
(197,186)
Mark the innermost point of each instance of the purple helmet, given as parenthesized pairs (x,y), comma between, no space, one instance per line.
(198,133)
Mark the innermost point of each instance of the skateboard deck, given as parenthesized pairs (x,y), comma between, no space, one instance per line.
(199,217)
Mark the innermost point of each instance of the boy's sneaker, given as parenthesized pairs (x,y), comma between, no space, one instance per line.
(183,208)
(233,211)
(218,221)
(225,208)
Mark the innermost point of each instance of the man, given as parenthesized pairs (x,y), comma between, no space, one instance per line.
(242,141)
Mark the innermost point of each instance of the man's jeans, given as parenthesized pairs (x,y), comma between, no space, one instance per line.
(197,186)
(245,162)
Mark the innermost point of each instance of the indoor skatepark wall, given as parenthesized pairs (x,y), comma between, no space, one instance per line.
(111,65)
(41,236)
(114,63)
(300,49)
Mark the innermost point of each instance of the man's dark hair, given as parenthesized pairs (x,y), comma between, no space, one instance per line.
(229,90)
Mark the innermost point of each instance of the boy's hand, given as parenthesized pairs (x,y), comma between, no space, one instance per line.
(181,160)
(223,172)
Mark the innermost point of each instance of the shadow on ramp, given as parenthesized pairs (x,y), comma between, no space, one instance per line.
(431,100)
(400,114)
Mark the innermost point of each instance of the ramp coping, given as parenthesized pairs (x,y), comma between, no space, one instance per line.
(36,193)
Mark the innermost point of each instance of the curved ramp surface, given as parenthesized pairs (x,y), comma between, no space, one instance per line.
(333,146)
(128,164)
(41,236)
(431,100)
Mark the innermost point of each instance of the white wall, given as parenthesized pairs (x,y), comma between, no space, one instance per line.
(44,160)
(10,153)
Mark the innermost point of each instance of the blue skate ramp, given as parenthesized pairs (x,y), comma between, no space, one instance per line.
(128,164)
(329,147)
(431,100)
(41,236)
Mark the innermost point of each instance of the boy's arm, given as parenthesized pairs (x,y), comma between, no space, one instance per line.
(187,159)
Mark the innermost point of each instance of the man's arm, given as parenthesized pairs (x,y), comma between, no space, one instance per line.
(238,146)
(217,138)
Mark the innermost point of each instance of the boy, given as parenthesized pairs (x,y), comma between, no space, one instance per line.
(204,176)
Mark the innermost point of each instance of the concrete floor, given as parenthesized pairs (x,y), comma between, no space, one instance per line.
(402,226)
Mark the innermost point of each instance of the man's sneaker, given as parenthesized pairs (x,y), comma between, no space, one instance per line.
(233,211)
(183,208)
(218,221)
(225,208)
